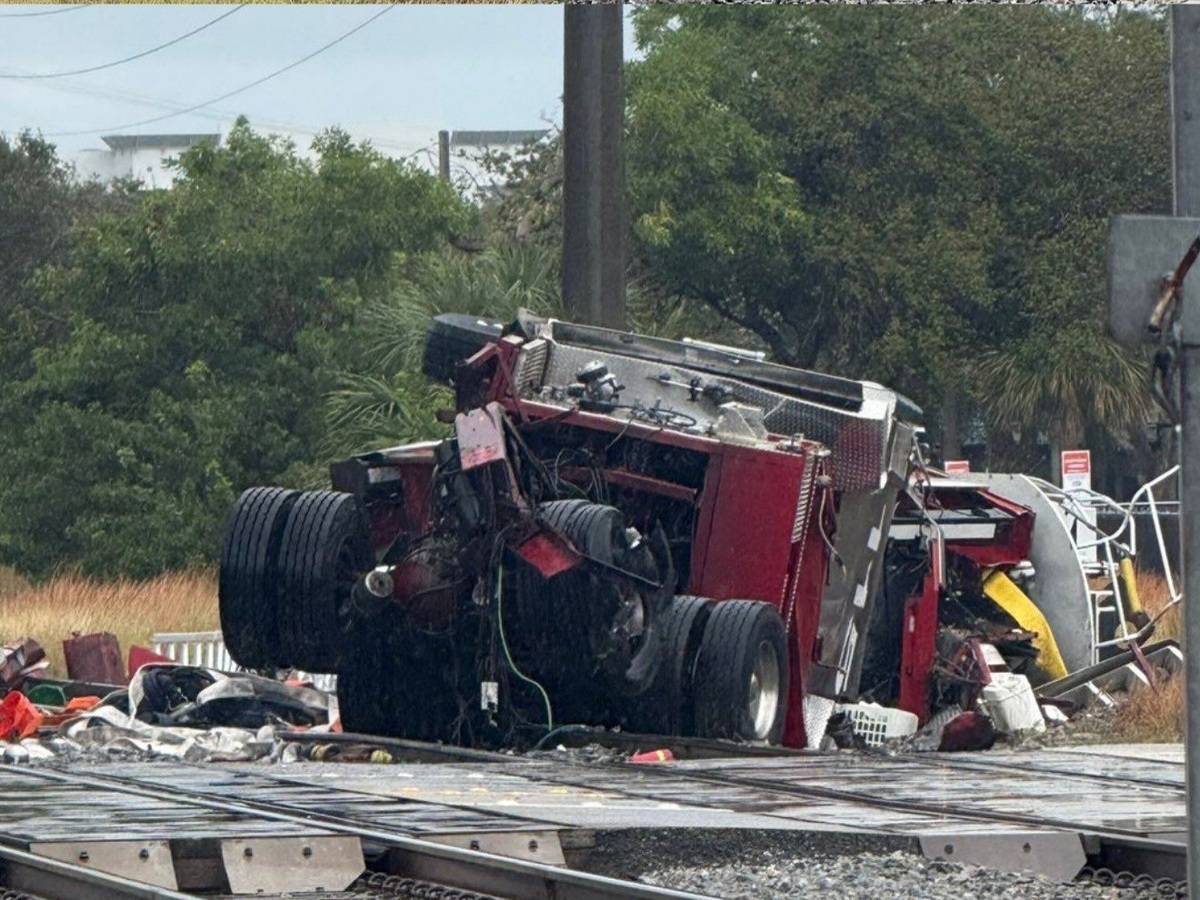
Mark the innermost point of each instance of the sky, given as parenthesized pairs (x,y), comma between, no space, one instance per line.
(412,71)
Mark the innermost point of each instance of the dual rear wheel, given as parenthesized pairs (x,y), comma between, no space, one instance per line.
(724,673)
(288,565)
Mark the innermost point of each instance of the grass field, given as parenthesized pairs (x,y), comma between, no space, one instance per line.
(132,610)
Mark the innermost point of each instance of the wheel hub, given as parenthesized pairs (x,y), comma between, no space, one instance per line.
(763,702)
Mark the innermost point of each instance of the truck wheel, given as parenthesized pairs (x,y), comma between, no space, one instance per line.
(326,548)
(598,531)
(741,677)
(593,528)
(247,590)
(453,338)
(665,707)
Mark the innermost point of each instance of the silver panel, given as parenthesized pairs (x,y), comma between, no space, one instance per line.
(143,861)
(283,865)
(536,846)
(859,441)
(1057,855)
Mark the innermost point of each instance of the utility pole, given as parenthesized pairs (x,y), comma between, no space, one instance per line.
(594,225)
(444,155)
(1185,160)
(1144,260)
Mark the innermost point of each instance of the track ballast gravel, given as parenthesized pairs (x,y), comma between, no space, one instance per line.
(773,875)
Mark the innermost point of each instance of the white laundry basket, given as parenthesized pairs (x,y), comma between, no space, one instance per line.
(876,724)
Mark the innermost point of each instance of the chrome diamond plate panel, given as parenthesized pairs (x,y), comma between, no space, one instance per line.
(859,441)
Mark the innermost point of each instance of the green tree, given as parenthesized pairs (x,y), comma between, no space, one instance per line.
(184,348)
(898,194)
(382,399)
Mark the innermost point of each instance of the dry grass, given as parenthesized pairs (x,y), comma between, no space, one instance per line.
(1154,714)
(132,610)
(1153,592)
(11,581)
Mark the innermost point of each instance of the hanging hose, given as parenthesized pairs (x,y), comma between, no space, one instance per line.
(508,656)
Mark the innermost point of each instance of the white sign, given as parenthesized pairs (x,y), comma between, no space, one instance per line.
(1077,476)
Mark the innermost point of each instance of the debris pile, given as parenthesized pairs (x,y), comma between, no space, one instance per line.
(162,709)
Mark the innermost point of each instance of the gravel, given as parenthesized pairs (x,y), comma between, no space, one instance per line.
(898,875)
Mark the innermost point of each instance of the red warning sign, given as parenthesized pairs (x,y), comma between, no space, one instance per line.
(1077,462)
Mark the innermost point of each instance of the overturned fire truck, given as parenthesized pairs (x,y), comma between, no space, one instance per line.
(670,537)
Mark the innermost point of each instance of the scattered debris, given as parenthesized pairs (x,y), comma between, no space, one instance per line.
(652,756)
(19,718)
(19,660)
(94,657)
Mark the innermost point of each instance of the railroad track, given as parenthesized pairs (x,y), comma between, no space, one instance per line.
(781,776)
(738,781)
(425,869)
(1135,849)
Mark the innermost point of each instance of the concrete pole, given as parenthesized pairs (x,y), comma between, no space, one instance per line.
(1185,159)
(444,155)
(594,226)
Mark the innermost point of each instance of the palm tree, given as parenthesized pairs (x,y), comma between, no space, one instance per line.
(1060,383)
(386,400)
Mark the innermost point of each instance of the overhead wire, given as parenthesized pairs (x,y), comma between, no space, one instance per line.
(128,59)
(240,90)
(220,115)
(48,12)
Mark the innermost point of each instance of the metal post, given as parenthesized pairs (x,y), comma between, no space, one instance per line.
(444,155)
(1185,158)
(593,275)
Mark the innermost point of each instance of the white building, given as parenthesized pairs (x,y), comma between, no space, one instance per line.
(140,156)
(468,149)
(144,156)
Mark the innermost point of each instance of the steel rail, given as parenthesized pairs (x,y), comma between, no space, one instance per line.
(729,750)
(1001,765)
(1137,848)
(767,786)
(453,866)
(710,748)
(55,880)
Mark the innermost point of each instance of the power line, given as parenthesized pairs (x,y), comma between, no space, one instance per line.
(240,90)
(121,62)
(217,115)
(48,12)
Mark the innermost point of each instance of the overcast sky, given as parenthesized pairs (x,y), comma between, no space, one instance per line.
(412,71)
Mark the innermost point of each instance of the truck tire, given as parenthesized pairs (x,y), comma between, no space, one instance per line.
(740,683)
(326,548)
(453,338)
(666,708)
(247,592)
(597,531)
(593,528)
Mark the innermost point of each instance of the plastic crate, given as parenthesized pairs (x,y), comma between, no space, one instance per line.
(876,724)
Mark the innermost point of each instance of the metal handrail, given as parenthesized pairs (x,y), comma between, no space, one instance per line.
(1073,502)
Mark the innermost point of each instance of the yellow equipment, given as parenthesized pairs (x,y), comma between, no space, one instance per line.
(1004,592)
